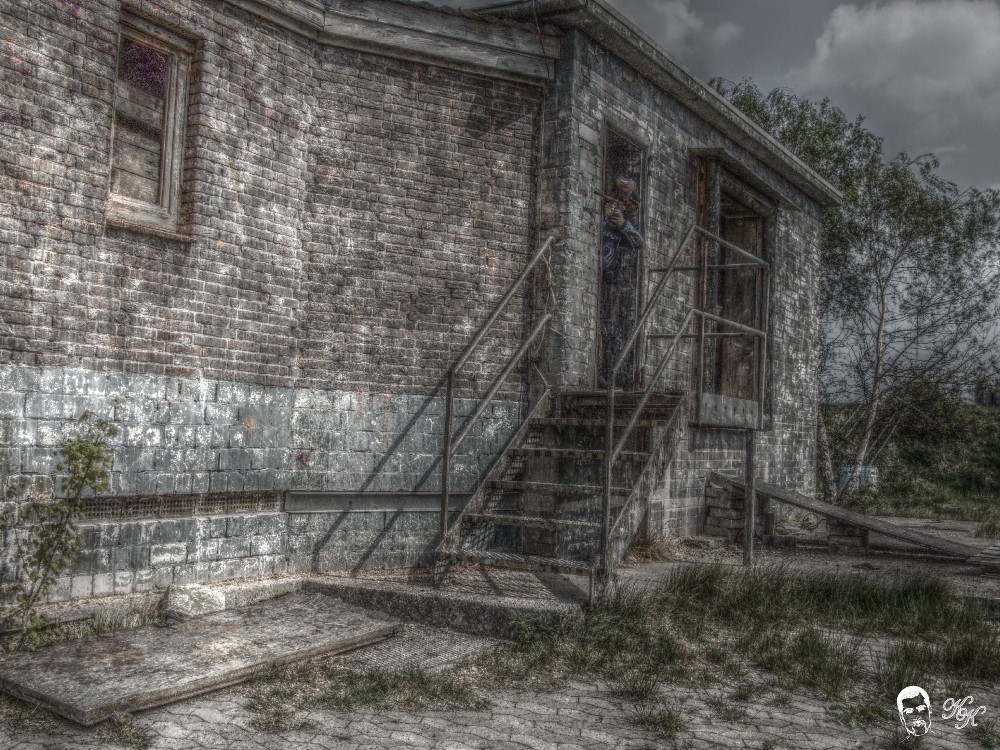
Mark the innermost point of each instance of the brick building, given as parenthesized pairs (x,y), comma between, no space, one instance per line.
(256,234)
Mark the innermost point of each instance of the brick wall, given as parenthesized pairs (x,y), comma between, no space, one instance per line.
(593,90)
(348,220)
(351,218)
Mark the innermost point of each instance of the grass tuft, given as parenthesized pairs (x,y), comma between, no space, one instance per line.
(408,689)
(122,730)
(986,734)
(666,720)
(277,695)
(20,716)
(990,529)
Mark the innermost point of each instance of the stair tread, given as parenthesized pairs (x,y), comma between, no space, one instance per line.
(559,487)
(510,519)
(590,422)
(517,561)
(575,452)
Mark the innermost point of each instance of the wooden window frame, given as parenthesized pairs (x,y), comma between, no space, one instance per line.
(714,409)
(164,215)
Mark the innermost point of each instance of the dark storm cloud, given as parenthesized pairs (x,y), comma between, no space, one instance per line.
(924,73)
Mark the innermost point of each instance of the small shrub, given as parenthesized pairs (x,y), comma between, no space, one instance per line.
(42,535)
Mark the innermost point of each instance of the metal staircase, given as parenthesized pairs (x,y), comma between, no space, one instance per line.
(540,507)
(571,488)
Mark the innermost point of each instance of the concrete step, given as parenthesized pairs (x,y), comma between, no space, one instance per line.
(533,522)
(591,422)
(514,561)
(471,602)
(574,453)
(555,488)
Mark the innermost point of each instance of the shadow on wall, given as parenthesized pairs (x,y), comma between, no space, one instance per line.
(429,518)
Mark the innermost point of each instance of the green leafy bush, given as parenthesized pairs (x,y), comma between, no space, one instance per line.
(40,534)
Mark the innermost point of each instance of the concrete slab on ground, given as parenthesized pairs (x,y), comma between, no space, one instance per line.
(480,601)
(419,647)
(91,679)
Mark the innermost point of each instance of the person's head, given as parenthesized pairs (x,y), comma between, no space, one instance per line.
(625,185)
(914,710)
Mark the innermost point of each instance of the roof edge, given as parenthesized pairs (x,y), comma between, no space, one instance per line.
(619,35)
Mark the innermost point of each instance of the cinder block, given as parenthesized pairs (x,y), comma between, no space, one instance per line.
(163,577)
(234,547)
(81,586)
(716,531)
(61,590)
(104,584)
(143,580)
(167,554)
(724,513)
(122,581)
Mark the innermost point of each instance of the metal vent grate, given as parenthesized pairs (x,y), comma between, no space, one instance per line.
(180,506)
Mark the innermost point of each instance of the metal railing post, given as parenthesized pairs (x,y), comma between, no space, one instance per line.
(609,444)
(446,453)
(749,499)
(448,450)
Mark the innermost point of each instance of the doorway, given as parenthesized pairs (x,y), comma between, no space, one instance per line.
(621,246)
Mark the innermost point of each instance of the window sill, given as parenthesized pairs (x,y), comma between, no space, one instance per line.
(727,412)
(131,226)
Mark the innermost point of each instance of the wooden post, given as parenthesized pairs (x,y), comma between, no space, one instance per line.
(750,499)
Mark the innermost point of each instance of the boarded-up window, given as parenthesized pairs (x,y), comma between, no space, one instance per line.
(141,91)
(741,295)
(150,96)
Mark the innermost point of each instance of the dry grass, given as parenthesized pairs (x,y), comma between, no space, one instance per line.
(989,530)
(278,695)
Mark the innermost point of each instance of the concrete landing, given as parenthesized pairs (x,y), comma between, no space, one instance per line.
(481,601)
(89,680)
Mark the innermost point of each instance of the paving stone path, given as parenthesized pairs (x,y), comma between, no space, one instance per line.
(576,715)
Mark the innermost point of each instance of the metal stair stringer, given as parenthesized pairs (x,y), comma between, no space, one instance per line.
(481,494)
(629,519)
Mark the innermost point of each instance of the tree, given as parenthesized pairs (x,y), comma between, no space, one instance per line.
(910,273)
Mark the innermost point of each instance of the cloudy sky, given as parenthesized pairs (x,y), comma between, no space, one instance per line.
(924,73)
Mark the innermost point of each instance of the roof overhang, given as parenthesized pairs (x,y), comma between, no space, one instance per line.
(483,45)
(620,36)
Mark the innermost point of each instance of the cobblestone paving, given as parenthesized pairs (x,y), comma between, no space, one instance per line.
(576,715)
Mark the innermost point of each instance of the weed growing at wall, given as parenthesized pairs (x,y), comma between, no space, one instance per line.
(40,534)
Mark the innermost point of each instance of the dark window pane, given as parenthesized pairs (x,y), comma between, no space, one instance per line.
(144,67)
(140,108)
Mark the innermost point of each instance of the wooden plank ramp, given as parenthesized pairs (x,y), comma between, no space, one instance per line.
(964,551)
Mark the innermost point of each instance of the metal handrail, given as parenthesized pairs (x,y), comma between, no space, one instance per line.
(449,447)
(612,449)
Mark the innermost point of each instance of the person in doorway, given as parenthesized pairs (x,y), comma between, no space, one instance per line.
(620,246)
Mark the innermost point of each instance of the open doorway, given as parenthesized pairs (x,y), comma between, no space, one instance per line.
(621,248)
